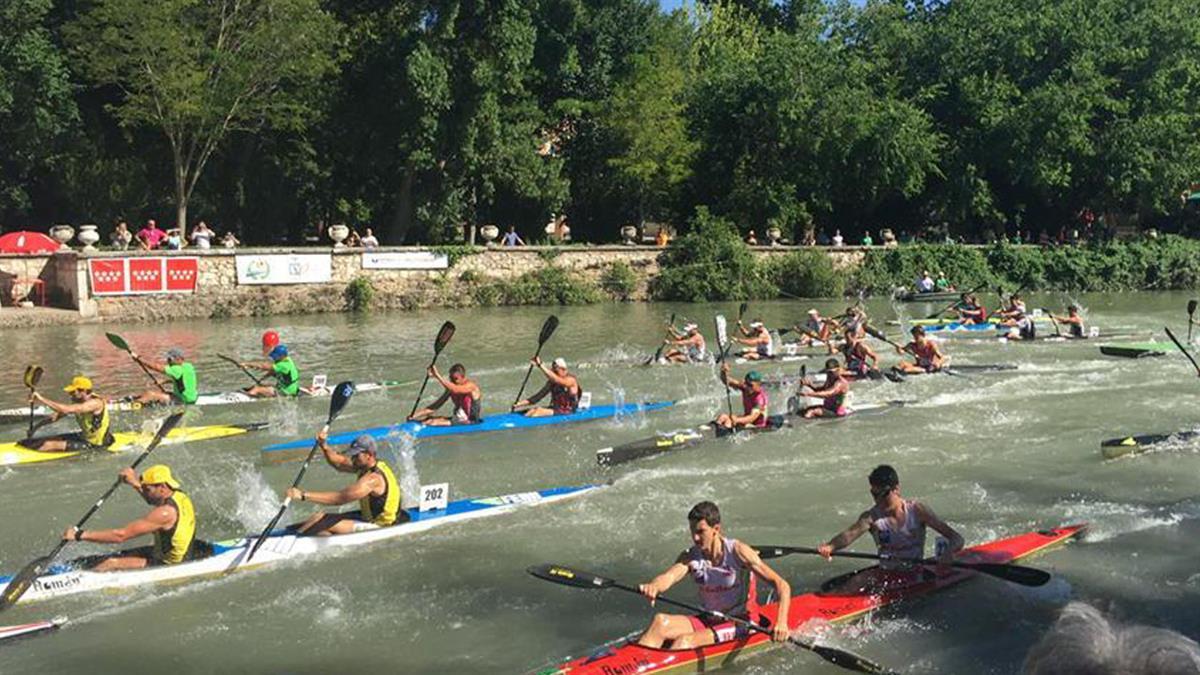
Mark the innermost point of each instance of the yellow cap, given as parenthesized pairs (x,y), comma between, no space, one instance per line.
(80,382)
(158,474)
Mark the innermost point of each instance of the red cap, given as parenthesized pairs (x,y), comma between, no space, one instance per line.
(270,339)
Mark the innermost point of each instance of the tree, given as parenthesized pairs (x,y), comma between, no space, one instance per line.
(199,70)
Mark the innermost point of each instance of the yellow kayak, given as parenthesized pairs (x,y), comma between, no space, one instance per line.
(12,453)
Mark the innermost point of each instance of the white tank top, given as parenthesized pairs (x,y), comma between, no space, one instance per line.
(901,540)
(724,587)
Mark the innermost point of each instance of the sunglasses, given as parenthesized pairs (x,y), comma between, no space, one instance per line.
(878,492)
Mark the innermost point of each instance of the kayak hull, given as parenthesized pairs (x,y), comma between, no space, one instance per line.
(833,606)
(12,454)
(1132,445)
(229,556)
(28,629)
(1136,350)
(933,296)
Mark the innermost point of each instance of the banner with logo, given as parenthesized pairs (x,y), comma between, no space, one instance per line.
(143,276)
(284,268)
(405,260)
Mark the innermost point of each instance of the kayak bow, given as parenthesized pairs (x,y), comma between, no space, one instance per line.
(13,453)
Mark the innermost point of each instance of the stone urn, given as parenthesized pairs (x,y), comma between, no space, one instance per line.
(489,233)
(773,234)
(62,234)
(629,235)
(889,239)
(88,236)
(338,234)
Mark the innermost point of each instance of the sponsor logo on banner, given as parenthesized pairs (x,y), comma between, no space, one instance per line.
(307,268)
(143,276)
(405,260)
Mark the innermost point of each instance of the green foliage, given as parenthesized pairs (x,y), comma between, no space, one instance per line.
(883,269)
(469,277)
(805,274)
(358,294)
(619,280)
(547,286)
(548,255)
(711,262)
(455,252)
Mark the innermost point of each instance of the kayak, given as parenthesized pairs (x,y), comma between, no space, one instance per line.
(126,404)
(1131,445)
(281,546)
(11,632)
(932,296)
(818,379)
(779,358)
(829,604)
(927,323)
(1137,350)
(682,439)
(282,452)
(12,453)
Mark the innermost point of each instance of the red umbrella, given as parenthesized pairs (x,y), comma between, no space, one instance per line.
(27,242)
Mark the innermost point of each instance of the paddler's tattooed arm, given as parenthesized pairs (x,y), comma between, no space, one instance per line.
(847,536)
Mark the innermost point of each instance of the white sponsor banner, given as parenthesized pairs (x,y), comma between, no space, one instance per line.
(308,268)
(404,260)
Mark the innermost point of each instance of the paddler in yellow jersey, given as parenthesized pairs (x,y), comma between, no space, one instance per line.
(377,492)
(898,527)
(172,521)
(91,413)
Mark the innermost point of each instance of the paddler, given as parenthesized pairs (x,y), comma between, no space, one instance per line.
(463,391)
(172,521)
(832,393)
(182,374)
(563,387)
(686,347)
(376,490)
(1018,320)
(725,571)
(1073,321)
(929,357)
(970,310)
(898,527)
(855,322)
(815,328)
(91,413)
(754,401)
(287,376)
(861,360)
(757,340)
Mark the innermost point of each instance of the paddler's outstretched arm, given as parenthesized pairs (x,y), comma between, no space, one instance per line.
(534,397)
(360,488)
(663,582)
(847,536)
(160,518)
(334,458)
(783,590)
(931,520)
(152,365)
(258,365)
(729,381)
(450,387)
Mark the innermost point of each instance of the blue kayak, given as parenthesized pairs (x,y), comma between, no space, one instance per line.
(286,451)
(956,327)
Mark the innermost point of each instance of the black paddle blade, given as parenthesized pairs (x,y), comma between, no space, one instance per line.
(742,310)
(1192,306)
(444,334)
(341,396)
(117,341)
(37,376)
(548,329)
(21,583)
(1017,574)
(569,577)
(166,427)
(848,660)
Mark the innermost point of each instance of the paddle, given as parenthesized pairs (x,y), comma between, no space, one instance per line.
(32,375)
(653,359)
(1057,331)
(25,578)
(1182,349)
(877,334)
(120,343)
(1191,307)
(723,344)
(567,576)
(341,396)
(443,336)
(1018,574)
(244,369)
(548,328)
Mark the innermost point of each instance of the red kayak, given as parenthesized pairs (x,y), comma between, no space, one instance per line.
(827,605)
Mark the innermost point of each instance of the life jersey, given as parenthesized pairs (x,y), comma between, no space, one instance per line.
(466,408)
(563,400)
(381,509)
(976,312)
(727,586)
(171,547)
(94,426)
(899,540)
(1076,330)
(697,353)
(287,377)
(856,359)
(184,378)
(752,401)
(766,349)
(836,402)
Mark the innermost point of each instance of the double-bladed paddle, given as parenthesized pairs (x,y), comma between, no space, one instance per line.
(653,359)
(244,369)
(1182,349)
(1057,330)
(32,375)
(120,343)
(567,576)
(722,330)
(1191,307)
(341,396)
(25,578)
(443,336)
(548,328)
(1018,574)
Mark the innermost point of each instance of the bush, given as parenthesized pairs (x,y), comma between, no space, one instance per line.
(806,274)
(882,270)
(455,252)
(619,280)
(358,294)
(548,286)
(710,262)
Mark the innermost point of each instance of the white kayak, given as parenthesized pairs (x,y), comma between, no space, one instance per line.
(25,629)
(229,556)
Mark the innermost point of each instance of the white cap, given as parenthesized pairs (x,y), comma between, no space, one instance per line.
(688,327)
(560,362)
(814,312)
(756,324)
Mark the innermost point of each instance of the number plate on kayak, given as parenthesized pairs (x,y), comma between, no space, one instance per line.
(434,497)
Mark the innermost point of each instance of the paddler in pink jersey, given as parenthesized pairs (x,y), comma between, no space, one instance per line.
(929,358)
(832,393)
(463,391)
(754,401)
(725,570)
(898,526)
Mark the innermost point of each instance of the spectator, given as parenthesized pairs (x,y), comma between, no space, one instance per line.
(354,241)
(369,241)
(511,238)
(822,238)
(660,240)
(230,241)
(121,237)
(838,239)
(202,236)
(174,240)
(751,239)
(150,237)
(867,240)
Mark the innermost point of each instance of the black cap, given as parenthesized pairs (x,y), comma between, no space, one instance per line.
(884,476)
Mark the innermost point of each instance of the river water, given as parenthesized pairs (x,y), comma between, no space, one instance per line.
(995,454)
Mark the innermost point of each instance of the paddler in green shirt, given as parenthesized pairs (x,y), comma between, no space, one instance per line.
(287,376)
(182,374)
